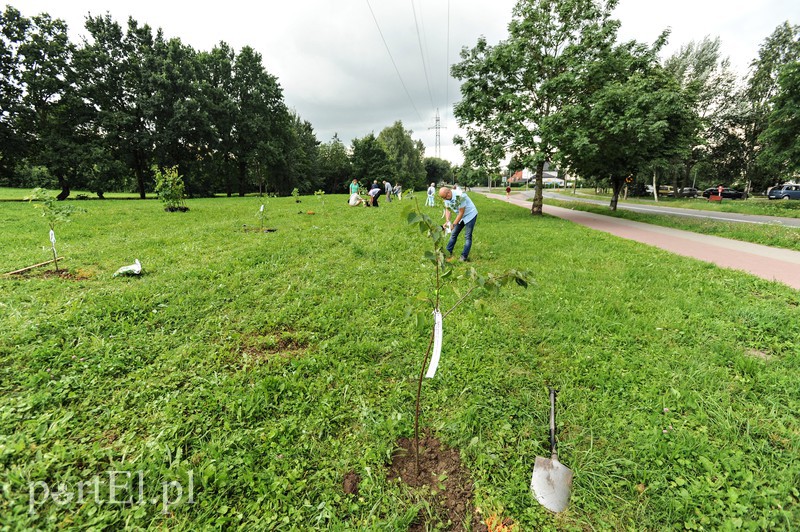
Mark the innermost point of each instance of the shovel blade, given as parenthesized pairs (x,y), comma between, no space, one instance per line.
(551,483)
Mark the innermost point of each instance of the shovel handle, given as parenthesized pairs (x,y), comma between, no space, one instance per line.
(553,451)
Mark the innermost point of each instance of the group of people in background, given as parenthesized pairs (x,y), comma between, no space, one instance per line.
(374,192)
(454,200)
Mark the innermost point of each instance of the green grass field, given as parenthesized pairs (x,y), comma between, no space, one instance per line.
(254,371)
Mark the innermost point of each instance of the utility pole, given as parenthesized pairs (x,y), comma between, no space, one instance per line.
(438,145)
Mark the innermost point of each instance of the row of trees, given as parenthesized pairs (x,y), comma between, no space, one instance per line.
(105,115)
(391,155)
(561,89)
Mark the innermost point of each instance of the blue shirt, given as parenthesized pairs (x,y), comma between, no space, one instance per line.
(458,201)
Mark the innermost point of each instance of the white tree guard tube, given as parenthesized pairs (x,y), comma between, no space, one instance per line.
(437,344)
(53,240)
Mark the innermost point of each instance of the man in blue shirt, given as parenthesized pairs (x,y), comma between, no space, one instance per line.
(466,216)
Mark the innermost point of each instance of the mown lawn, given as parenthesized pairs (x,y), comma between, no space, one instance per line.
(256,370)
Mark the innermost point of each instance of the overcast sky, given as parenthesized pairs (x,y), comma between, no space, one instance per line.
(356,66)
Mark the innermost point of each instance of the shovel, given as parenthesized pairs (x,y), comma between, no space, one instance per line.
(551,481)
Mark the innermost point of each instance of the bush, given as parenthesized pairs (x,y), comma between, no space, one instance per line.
(170,189)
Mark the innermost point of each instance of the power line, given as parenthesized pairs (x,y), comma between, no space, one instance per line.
(447,68)
(410,99)
(425,67)
(422,53)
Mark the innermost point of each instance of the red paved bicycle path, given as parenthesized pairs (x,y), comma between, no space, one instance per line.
(769,263)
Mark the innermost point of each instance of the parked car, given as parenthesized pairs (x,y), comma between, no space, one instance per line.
(689,192)
(728,193)
(663,190)
(788,191)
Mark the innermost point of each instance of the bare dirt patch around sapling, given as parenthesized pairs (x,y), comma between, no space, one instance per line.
(442,482)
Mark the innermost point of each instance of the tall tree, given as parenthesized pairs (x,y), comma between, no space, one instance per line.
(405,156)
(631,113)
(334,166)
(370,161)
(509,90)
(709,86)
(299,159)
(180,128)
(13,31)
(114,66)
(218,105)
(781,48)
(437,171)
(781,138)
(53,114)
(260,116)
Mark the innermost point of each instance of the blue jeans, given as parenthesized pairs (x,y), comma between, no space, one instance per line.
(468,226)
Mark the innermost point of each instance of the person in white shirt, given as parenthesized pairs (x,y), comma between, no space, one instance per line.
(431,191)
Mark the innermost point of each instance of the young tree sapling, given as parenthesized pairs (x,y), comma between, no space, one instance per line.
(443,275)
(54,212)
(170,188)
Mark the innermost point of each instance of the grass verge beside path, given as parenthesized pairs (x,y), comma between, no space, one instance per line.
(753,205)
(266,367)
(768,235)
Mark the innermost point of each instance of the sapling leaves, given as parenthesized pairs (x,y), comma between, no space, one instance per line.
(413,218)
(443,274)
(54,212)
(170,188)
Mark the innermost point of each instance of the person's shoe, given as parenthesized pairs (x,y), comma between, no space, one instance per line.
(462,258)
(450,259)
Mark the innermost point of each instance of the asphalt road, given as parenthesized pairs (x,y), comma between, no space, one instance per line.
(774,264)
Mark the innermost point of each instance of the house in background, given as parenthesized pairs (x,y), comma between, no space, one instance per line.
(528,177)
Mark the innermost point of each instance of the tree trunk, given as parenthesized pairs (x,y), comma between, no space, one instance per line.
(616,186)
(140,175)
(536,206)
(687,178)
(64,194)
(655,186)
(242,178)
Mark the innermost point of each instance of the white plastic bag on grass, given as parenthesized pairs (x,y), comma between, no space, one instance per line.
(131,269)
